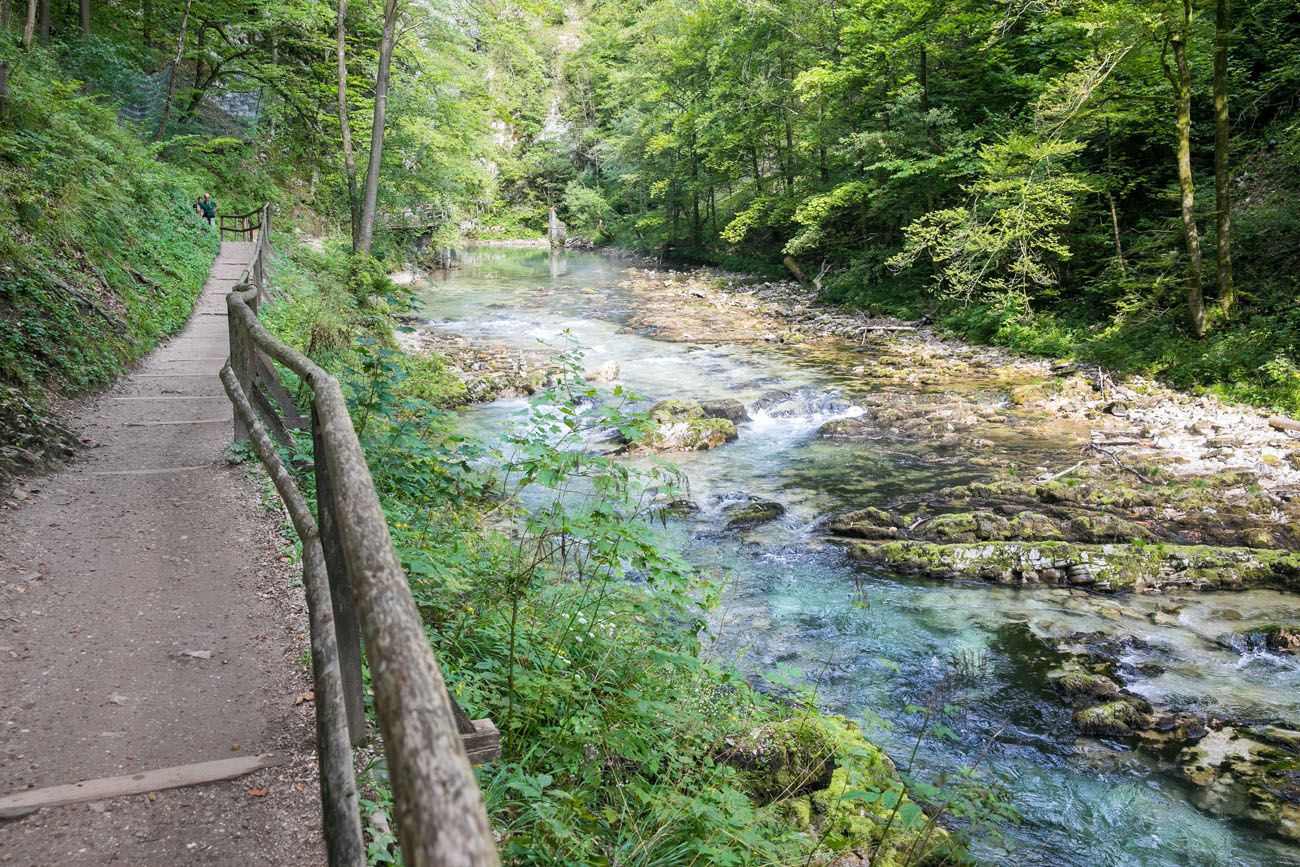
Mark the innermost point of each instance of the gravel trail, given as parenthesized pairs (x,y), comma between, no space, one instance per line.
(147,620)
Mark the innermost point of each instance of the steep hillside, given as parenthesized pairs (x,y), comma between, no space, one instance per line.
(101,253)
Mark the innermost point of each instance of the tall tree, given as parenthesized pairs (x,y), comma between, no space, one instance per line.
(29,26)
(1222,193)
(345,127)
(1180,77)
(175,72)
(85,17)
(43,27)
(365,230)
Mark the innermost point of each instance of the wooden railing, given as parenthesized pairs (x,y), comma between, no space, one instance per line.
(356,588)
(244,227)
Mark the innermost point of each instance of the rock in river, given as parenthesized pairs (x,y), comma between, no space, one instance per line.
(729,408)
(681,426)
(751,513)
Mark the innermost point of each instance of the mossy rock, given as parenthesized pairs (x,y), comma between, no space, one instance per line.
(1138,568)
(1033,526)
(752,513)
(1105,528)
(848,812)
(868,523)
(784,759)
(1112,719)
(688,435)
(1082,687)
(850,429)
(676,410)
(966,527)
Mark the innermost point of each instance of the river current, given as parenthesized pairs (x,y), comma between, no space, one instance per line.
(871,643)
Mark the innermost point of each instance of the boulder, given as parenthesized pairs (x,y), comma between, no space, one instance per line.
(607,372)
(858,427)
(868,523)
(688,435)
(1081,687)
(682,427)
(751,513)
(729,408)
(1113,719)
(676,409)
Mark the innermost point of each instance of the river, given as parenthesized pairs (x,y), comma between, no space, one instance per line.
(872,642)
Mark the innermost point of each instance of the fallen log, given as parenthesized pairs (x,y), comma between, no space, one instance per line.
(1279,422)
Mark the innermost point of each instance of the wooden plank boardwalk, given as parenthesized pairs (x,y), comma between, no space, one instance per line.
(146,622)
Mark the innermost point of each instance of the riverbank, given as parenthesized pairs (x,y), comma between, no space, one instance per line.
(1062,481)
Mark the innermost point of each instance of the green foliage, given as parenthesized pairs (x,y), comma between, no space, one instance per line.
(1017,159)
(586,211)
(100,251)
(557,610)
(1008,238)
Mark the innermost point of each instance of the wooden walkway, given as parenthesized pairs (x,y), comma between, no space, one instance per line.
(147,622)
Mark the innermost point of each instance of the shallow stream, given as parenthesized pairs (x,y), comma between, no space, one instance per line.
(871,642)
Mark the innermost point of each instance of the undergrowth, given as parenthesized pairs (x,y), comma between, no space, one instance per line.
(101,254)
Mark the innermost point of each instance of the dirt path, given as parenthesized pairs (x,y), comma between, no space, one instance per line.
(147,621)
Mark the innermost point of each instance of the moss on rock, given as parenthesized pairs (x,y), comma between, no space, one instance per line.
(751,513)
(1112,719)
(1136,567)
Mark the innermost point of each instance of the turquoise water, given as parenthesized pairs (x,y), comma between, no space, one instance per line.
(872,643)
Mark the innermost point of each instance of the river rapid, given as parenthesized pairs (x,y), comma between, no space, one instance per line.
(870,642)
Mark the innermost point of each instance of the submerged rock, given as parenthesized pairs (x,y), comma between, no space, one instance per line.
(751,513)
(1248,773)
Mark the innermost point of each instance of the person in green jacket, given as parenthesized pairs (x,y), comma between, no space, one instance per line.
(207,208)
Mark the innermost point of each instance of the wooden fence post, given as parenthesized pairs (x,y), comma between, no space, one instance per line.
(347,628)
(241,362)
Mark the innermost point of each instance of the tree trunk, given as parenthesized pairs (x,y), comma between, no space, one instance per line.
(1187,192)
(1110,199)
(43,27)
(85,17)
(366,233)
(171,79)
(1114,226)
(200,42)
(29,26)
(4,87)
(345,128)
(1222,195)
(4,14)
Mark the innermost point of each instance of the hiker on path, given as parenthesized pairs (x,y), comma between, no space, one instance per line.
(207,208)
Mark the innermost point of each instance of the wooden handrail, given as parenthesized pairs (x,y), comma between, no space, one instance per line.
(354,576)
(240,226)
